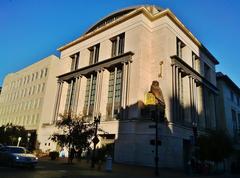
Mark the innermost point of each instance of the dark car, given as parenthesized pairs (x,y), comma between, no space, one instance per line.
(17,156)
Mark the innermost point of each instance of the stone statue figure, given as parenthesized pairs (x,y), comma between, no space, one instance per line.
(157,92)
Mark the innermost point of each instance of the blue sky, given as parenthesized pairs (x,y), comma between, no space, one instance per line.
(33,29)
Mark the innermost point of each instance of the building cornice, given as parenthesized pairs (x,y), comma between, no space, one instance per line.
(228,81)
(104,64)
(190,71)
(150,16)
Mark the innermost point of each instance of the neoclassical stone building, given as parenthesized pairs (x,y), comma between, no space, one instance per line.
(109,71)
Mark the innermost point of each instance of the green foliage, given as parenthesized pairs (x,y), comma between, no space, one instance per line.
(215,146)
(75,132)
(9,135)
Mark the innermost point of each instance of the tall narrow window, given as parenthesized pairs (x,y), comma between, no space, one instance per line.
(75,61)
(118,44)
(180,46)
(33,77)
(94,54)
(41,73)
(90,94)
(181,97)
(114,92)
(70,96)
(28,78)
(45,72)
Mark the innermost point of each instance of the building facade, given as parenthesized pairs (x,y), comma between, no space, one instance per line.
(28,96)
(109,71)
(228,106)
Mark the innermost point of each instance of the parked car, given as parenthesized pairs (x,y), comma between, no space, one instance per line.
(17,156)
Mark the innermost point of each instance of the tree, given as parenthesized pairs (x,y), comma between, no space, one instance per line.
(9,135)
(73,132)
(216,146)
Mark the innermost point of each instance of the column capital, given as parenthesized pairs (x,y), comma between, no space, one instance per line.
(59,81)
(78,77)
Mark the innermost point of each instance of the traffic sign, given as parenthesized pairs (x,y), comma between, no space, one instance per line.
(95,140)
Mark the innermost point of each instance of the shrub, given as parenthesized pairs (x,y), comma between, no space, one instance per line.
(53,155)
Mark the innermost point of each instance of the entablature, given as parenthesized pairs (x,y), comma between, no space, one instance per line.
(104,64)
(188,70)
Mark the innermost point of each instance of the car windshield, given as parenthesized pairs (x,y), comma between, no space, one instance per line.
(16,150)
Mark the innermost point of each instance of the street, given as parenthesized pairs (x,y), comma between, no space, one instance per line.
(59,169)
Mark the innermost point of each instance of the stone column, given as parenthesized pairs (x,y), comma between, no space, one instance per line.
(196,101)
(177,93)
(127,92)
(180,106)
(98,90)
(114,86)
(96,94)
(89,94)
(78,84)
(57,102)
(124,85)
(128,73)
(173,92)
(70,97)
(191,88)
(201,106)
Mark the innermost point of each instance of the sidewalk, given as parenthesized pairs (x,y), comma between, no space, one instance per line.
(123,170)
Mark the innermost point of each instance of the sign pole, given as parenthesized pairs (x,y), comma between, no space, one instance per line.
(156,142)
(95,139)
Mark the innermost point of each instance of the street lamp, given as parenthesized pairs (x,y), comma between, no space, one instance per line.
(95,140)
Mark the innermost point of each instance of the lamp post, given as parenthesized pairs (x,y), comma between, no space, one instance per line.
(95,139)
(28,139)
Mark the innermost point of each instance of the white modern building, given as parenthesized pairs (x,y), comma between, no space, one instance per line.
(109,71)
(28,97)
